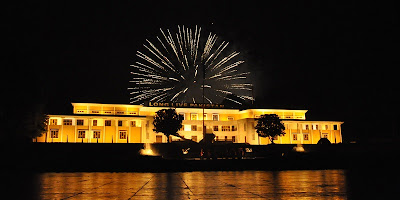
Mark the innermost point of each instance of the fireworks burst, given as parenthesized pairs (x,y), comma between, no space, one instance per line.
(180,67)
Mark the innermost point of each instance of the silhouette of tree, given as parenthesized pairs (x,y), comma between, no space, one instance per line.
(168,122)
(23,123)
(269,125)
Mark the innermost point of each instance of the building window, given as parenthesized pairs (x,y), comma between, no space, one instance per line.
(234,128)
(95,122)
(193,116)
(81,134)
(120,112)
(230,118)
(81,111)
(305,137)
(226,138)
(95,111)
(194,128)
(119,123)
(79,122)
(315,126)
(233,138)
(67,122)
(306,127)
(324,135)
(133,123)
(194,138)
(335,127)
(205,116)
(122,135)
(107,123)
(326,127)
(107,112)
(54,133)
(215,128)
(158,138)
(215,117)
(226,128)
(53,122)
(294,136)
(96,134)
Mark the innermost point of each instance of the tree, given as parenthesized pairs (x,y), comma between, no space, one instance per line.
(270,126)
(22,123)
(168,122)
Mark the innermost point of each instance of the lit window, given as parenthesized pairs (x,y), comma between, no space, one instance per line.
(305,136)
(326,127)
(79,122)
(294,136)
(107,123)
(193,116)
(95,122)
(81,134)
(67,122)
(81,111)
(96,134)
(122,135)
(194,128)
(215,128)
(234,128)
(315,126)
(215,117)
(120,112)
(53,122)
(95,112)
(306,127)
(107,112)
(133,123)
(119,123)
(54,133)
(226,128)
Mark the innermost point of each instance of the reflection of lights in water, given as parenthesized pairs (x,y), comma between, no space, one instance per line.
(298,148)
(147,150)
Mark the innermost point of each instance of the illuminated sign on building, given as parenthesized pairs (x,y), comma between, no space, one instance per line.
(184,105)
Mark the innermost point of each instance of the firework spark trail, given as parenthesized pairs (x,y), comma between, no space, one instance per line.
(179,67)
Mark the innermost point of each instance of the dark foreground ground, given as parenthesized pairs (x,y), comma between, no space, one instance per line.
(75,157)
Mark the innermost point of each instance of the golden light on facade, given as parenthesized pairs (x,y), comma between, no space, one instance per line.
(120,123)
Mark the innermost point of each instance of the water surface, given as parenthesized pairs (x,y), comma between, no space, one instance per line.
(297,184)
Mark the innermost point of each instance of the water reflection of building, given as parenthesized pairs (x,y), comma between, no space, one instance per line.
(120,123)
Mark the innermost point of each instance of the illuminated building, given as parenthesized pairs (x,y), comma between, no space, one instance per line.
(120,123)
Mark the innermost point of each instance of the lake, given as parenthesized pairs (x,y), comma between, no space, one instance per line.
(296,184)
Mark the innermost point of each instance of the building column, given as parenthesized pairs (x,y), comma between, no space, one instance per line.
(90,130)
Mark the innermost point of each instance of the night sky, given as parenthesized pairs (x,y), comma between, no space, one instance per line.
(337,60)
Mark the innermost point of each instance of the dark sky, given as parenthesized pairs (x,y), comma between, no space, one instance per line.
(338,60)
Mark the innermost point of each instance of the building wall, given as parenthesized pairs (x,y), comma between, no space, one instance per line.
(231,124)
